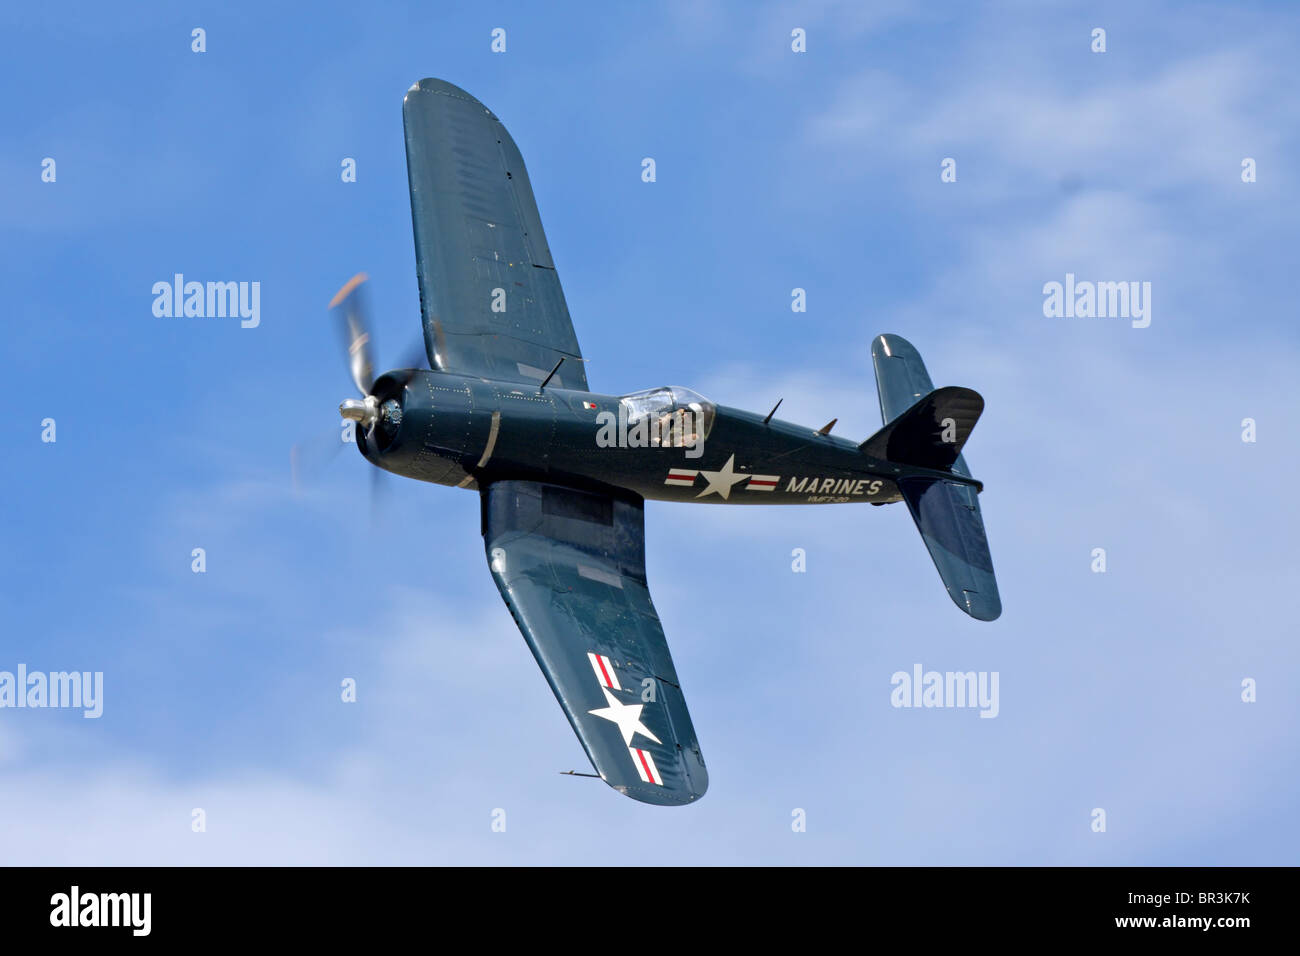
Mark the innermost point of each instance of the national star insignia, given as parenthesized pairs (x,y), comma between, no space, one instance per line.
(722,479)
(627,716)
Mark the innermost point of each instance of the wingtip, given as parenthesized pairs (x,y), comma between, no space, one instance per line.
(658,796)
(693,785)
(891,345)
(982,607)
(432,84)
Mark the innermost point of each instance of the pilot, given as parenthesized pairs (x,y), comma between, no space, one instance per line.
(674,425)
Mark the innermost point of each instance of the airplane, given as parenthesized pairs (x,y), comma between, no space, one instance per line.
(562,472)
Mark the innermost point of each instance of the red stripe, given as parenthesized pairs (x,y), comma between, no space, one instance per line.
(648,772)
(673,474)
(601,661)
(755,482)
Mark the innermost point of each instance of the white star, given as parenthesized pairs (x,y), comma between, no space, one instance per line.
(722,479)
(627,716)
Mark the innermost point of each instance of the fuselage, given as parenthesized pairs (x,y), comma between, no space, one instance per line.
(467,432)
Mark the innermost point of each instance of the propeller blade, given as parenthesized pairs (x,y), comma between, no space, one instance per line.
(348,305)
(308,458)
(413,359)
(378,493)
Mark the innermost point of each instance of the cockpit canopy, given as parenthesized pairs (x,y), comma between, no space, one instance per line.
(677,417)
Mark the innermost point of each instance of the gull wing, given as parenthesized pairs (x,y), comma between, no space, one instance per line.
(490,299)
(571,567)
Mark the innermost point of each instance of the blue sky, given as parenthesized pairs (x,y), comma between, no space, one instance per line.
(775,170)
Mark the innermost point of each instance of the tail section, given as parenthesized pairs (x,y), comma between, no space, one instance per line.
(926,428)
(902,381)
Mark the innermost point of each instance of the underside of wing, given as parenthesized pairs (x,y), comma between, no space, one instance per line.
(571,568)
(490,298)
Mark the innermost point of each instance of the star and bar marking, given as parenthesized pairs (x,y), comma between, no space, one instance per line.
(722,481)
(627,717)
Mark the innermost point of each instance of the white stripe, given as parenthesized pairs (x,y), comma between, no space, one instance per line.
(492,439)
(597,574)
(487,451)
(596,661)
(640,770)
(636,756)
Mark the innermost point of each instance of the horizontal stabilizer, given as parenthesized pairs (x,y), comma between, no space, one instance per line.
(932,432)
(947,513)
